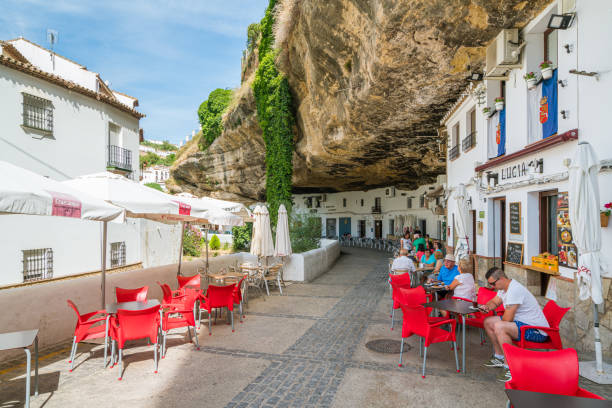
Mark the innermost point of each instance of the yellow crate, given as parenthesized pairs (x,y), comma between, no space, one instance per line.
(545,263)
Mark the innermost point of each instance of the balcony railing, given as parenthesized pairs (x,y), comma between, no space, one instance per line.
(468,142)
(453,153)
(376,210)
(119,158)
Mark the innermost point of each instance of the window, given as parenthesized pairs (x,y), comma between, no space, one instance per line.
(470,139)
(422,201)
(391,226)
(309,202)
(37,264)
(409,202)
(550,46)
(37,113)
(117,254)
(344,202)
(362,202)
(454,151)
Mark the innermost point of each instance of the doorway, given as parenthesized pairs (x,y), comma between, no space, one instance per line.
(378,229)
(345,225)
(499,230)
(423,227)
(330,230)
(362,230)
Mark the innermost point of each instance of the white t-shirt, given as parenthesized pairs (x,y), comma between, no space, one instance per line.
(406,244)
(403,262)
(528,311)
(466,288)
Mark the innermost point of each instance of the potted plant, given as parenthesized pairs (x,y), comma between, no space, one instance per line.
(531,80)
(499,103)
(486,111)
(546,69)
(604,215)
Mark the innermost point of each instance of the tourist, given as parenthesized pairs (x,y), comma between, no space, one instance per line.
(439,261)
(448,271)
(428,259)
(406,243)
(463,284)
(418,240)
(420,251)
(402,262)
(438,247)
(521,309)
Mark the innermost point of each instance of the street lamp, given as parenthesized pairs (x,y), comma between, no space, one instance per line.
(561,21)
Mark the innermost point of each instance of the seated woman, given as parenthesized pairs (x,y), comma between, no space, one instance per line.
(428,260)
(463,284)
(420,251)
(438,247)
(437,265)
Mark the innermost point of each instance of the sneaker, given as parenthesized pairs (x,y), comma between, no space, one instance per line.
(494,362)
(505,376)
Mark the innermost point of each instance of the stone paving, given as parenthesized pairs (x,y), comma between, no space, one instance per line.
(303,349)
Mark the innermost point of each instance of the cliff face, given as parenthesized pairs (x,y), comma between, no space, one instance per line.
(371,80)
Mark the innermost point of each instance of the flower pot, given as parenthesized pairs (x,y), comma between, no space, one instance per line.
(604,219)
(499,106)
(547,73)
(531,83)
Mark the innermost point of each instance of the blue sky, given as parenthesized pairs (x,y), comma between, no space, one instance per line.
(168,54)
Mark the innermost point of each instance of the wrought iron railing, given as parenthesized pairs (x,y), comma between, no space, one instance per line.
(469,141)
(453,153)
(119,158)
(37,264)
(37,113)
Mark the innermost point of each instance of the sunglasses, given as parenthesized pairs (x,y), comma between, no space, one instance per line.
(492,284)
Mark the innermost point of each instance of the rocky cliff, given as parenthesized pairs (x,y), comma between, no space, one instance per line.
(371,80)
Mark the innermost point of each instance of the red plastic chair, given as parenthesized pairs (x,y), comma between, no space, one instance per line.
(554,314)
(134,325)
(87,328)
(131,295)
(477,318)
(180,315)
(217,297)
(238,296)
(396,282)
(184,281)
(416,322)
(551,372)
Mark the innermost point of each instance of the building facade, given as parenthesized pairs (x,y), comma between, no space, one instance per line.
(62,121)
(513,162)
(377,213)
(156,174)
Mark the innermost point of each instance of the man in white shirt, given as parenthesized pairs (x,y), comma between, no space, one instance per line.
(403,263)
(521,309)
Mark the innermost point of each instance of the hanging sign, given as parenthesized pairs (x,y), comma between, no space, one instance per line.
(65,205)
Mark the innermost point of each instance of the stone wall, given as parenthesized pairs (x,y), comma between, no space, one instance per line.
(481,265)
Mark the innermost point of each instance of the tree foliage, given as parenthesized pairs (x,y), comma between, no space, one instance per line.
(152,159)
(165,146)
(253,32)
(304,232)
(192,241)
(215,242)
(210,114)
(242,236)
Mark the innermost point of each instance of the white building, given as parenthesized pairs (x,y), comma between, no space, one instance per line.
(379,212)
(516,185)
(156,174)
(62,121)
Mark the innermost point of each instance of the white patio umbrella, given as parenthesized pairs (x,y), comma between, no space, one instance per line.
(262,244)
(584,219)
(462,248)
(283,242)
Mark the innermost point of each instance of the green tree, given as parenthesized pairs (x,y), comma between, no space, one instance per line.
(215,242)
(150,159)
(192,242)
(242,236)
(253,32)
(210,113)
(304,232)
(169,159)
(154,186)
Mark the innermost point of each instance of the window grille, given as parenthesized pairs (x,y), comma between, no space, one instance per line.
(37,113)
(117,254)
(469,141)
(37,264)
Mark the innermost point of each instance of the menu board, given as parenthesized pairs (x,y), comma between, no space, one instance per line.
(568,254)
(514,253)
(515,218)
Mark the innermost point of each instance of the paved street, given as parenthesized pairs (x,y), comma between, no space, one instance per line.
(305,349)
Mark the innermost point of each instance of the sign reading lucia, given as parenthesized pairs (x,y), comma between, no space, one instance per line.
(518,170)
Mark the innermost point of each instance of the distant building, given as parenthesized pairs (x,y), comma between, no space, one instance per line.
(156,174)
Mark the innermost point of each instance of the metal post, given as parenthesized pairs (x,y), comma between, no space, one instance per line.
(103,276)
(181,248)
(206,249)
(598,357)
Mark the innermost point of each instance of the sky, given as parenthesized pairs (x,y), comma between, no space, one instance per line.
(168,54)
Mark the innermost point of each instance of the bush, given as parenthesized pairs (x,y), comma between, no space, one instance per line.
(155,186)
(210,113)
(242,236)
(192,241)
(305,232)
(215,243)
(226,246)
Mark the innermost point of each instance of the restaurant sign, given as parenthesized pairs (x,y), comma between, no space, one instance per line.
(519,170)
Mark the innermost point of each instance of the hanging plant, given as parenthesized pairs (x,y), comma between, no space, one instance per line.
(604,215)
(499,103)
(546,69)
(530,77)
(486,111)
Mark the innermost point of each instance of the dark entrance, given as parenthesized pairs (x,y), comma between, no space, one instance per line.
(378,229)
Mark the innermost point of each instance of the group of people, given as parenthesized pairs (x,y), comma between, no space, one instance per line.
(520,306)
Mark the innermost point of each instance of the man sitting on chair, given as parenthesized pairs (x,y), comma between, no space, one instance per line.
(521,309)
(402,262)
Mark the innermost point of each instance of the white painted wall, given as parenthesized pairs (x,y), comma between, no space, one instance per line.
(308,265)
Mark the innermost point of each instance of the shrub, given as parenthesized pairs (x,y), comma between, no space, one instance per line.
(242,236)
(215,243)
(192,242)
(155,186)
(210,113)
(226,246)
(305,232)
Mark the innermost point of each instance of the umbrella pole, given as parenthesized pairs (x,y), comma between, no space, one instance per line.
(598,357)
(206,243)
(103,274)
(181,248)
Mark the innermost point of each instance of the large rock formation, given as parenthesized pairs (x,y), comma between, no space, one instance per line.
(371,80)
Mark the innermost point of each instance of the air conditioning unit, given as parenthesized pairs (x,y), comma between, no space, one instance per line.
(503,53)
(390,192)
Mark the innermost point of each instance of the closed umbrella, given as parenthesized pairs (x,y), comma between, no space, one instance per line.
(283,242)
(462,249)
(262,244)
(584,218)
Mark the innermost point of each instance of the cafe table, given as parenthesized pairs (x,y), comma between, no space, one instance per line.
(23,340)
(460,307)
(111,308)
(528,399)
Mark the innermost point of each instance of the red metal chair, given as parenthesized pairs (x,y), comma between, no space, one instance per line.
(477,318)
(416,322)
(551,372)
(87,328)
(554,314)
(217,297)
(180,315)
(238,296)
(396,282)
(134,325)
(131,295)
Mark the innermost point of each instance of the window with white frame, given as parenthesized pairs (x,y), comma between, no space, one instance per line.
(37,113)
(37,264)
(117,254)
(454,151)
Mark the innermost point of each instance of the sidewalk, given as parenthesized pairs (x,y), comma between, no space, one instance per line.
(304,349)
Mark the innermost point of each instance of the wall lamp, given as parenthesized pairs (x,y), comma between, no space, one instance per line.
(536,166)
(475,76)
(561,21)
(469,202)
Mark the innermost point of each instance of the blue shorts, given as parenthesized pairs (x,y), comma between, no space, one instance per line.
(533,335)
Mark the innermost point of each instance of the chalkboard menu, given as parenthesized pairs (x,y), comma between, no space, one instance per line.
(514,253)
(515,218)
